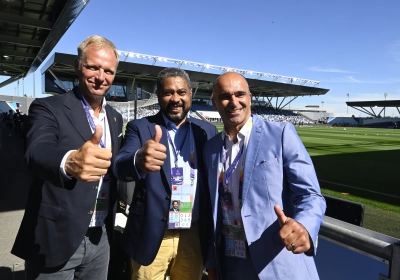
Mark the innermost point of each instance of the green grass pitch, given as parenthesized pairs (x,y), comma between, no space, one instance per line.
(360,165)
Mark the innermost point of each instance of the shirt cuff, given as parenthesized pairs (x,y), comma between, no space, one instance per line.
(140,174)
(62,166)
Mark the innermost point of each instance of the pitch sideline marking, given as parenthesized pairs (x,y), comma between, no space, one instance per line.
(395,196)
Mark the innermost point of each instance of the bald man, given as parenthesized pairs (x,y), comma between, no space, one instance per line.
(256,170)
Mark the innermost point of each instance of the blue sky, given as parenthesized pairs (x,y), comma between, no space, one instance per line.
(350,46)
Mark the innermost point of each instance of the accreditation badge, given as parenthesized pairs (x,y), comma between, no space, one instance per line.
(180,215)
(100,210)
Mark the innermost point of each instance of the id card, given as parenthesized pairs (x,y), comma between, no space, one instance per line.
(100,211)
(177,175)
(180,213)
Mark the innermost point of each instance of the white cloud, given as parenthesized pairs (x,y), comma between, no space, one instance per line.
(329,70)
(351,79)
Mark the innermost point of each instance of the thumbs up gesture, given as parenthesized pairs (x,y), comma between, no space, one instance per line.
(151,156)
(90,161)
(293,234)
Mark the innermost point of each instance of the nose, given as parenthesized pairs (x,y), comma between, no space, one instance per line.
(100,74)
(175,97)
(233,100)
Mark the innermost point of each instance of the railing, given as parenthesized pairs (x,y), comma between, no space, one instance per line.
(364,241)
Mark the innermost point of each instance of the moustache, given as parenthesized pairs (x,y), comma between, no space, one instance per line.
(175,105)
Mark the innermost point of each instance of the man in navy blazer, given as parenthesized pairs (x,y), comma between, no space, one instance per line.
(255,169)
(71,140)
(153,150)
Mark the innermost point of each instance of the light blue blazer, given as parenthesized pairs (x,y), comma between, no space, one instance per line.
(278,171)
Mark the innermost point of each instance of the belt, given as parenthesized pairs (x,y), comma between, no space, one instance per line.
(92,230)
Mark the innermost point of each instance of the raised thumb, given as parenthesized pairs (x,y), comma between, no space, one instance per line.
(158,134)
(98,133)
(281,216)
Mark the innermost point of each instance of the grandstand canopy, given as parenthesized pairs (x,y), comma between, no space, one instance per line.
(61,67)
(369,107)
(29,30)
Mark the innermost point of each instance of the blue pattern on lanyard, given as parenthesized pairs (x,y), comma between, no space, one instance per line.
(231,168)
(177,152)
(89,117)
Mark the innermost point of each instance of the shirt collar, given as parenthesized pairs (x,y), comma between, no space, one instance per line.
(171,125)
(241,134)
(103,106)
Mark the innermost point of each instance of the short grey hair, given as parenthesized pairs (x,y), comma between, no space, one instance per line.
(171,72)
(99,42)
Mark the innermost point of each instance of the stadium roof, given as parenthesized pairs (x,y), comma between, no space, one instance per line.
(367,107)
(29,30)
(62,65)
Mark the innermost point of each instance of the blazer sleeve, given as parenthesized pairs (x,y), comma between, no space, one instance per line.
(44,152)
(123,167)
(305,194)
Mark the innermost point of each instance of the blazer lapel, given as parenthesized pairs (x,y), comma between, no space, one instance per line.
(251,154)
(76,114)
(213,169)
(166,167)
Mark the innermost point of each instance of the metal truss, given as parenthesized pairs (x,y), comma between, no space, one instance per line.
(222,69)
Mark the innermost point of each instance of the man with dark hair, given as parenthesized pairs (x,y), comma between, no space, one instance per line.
(162,153)
(175,206)
(71,141)
(255,169)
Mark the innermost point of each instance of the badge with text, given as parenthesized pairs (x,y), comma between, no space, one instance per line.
(177,175)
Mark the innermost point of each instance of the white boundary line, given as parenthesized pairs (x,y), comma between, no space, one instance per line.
(359,188)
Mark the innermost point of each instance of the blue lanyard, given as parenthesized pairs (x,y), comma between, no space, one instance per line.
(176,153)
(90,119)
(229,172)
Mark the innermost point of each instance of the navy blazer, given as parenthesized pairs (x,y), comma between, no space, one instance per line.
(58,211)
(148,213)
(277,171)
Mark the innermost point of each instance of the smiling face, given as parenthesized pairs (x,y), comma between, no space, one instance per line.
(96,73)
(175,99)
(232,100)
(175,205)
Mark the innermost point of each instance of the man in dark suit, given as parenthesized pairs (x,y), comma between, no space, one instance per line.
(71,141)
(162,153)
(175,206)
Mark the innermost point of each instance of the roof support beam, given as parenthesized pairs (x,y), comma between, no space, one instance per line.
(15,62)
(363,111)
(281,103)
(21,41)
(9,52)
(16,19)
(290,101)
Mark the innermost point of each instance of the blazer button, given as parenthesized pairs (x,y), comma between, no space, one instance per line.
(167,197)
(95,187)
(164,219)
(90,212)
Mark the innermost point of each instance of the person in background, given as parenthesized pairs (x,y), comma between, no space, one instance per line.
(266,202)
(72,139)
(162,153)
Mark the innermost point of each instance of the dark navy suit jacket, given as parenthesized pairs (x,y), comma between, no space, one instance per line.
(148,213)
(58,211)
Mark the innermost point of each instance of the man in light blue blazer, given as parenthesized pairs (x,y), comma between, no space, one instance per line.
(265,200)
